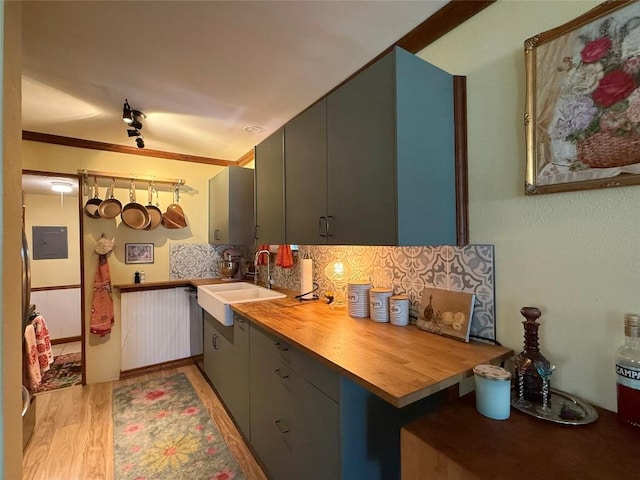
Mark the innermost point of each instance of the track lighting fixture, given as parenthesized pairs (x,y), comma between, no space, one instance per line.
(126,112)
(133,119)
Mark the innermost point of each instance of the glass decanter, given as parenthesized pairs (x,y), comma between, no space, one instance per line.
(532,381)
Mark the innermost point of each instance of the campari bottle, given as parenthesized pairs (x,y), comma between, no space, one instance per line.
(628,372)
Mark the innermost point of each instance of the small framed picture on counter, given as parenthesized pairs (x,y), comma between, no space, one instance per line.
(138,252)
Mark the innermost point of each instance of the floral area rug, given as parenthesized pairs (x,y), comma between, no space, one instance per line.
(65,371)
(162,431)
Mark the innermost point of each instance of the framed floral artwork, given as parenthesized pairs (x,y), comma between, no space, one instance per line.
(582,112)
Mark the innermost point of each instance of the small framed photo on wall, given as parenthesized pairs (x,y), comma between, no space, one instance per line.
(138,253)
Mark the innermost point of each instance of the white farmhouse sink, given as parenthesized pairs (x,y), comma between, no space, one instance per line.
(217,299)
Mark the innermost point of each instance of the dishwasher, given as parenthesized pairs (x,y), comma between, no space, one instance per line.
(195,322)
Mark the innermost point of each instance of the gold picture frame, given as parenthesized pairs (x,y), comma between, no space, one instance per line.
(582,110)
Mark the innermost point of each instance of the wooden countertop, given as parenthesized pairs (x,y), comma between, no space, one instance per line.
(399,364)
(194,282)
(522,446)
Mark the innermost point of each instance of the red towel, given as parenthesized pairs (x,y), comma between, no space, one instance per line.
(32,369)
(263,258)
(43,343)
(102,304)
(285,256)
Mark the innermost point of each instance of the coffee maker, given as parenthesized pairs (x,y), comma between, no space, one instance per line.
(230,265)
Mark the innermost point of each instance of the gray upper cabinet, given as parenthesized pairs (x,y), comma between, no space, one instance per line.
(231,206)
(390,150)
(373,163)
(306,176)
(269,189)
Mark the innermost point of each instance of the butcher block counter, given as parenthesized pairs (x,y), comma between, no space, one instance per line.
(398,364)
(139,287)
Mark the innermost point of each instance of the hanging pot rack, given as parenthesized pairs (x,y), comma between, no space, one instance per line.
(90,174)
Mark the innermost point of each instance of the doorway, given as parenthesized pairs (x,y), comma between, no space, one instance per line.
(51,217)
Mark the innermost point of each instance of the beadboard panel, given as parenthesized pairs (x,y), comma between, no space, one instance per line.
(61,310)
(155,327)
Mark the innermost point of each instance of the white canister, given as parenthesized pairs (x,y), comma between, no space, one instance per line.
(493,391)
(379,304)
(399,310)
(358,298)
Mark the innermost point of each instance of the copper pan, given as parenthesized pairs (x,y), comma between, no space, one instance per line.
(92,205)
(155,214)
(110,207)
(133,214)
(174,216)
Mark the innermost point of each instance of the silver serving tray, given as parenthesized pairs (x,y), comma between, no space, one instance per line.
(565,409)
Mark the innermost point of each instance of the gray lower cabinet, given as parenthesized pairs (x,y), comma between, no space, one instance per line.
(226,364)
(295,426)
(303,419)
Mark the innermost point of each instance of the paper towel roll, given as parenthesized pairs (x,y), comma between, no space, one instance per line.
(306,278)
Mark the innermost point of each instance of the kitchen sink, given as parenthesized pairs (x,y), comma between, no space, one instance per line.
(217,299)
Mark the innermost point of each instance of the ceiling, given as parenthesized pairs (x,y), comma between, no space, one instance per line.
(201,71)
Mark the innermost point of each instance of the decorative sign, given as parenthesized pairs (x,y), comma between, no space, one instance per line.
(447,313)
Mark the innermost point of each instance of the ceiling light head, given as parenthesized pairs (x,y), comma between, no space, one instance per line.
(62,187)
(127,116)
(136,123)
(140,142)
(133,132)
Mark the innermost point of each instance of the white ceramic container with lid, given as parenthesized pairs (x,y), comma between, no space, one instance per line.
(399,310)
(358,298)
(493,391)
(379,304)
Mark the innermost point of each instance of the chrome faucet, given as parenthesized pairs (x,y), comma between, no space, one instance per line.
(255,262)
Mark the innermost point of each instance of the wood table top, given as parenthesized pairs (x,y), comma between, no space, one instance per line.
(399,364)
(527,447)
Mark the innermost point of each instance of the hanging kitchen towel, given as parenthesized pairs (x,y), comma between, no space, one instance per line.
(263,258)
(285,256)
(30,358)
(43,343)
(102,303)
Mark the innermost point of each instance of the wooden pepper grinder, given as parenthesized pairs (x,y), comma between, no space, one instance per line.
(530,355)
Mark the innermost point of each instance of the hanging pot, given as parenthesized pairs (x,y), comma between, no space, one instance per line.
(174,216)
(155,214)
(92,205)
(110,207)
(133,214)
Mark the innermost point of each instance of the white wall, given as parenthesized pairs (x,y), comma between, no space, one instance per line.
(572,254)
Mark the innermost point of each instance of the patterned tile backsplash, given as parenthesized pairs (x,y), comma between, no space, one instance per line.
(406,270)
(409,270)
(198,260)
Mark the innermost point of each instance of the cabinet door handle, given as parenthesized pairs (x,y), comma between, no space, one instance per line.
(281,347)
(322,220)
(214,341)
(279,373)
(255,232)
(282,426)
(330,220)
(216,234)
(241,323)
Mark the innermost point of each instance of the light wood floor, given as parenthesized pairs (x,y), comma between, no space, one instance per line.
(73,437)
